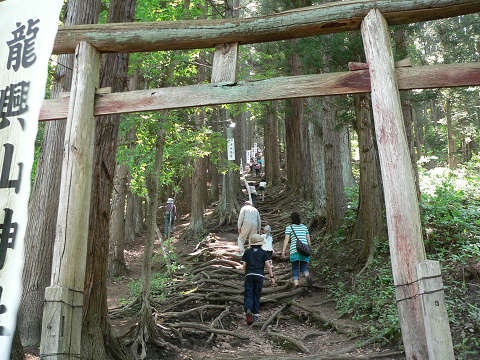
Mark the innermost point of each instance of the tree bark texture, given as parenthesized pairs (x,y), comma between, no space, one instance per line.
(117,221)
(407,108)
(97,340)
(294,131)
(370,226)
(316,143)
(197,205)
(334,186)
(452,141)
(146,321)
(43,206)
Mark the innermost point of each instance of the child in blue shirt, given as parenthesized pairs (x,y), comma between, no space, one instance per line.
(254,260)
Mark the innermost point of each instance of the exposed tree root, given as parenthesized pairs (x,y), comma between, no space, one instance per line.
(298,344)
(322,319)
(273,316)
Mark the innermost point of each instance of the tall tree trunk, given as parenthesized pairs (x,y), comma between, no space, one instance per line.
(335,190)
(267,142)
(418,123)
(346,157)
(294,130)
(146,327)
(43,206)
(407,109)
(117,221)
(275,151)
(452,141)
(228,207)
(97,340)
(316,143)
(370,226)
(197,205)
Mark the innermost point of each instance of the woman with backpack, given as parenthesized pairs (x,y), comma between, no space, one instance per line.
(293,233)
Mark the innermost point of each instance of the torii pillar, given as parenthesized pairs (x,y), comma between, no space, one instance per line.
(62,314)
(418,282)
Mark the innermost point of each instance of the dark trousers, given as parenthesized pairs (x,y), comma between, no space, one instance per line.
(253,291)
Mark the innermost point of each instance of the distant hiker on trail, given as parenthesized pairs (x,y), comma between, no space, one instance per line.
(297,232)
(261,188)
(170,213)
(253,194)
(258,167)
(268,240)
(249,223)
(254,260)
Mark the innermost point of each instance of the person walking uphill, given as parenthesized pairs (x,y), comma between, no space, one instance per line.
(297,232)
(254,260)
(170,213)
(248,224)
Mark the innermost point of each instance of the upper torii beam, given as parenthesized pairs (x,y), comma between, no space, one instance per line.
(298,23)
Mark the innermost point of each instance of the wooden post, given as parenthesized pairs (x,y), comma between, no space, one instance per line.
(62,316)
(435,317)
(403,215)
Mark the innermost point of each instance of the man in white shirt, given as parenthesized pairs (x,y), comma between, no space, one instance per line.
(248,223)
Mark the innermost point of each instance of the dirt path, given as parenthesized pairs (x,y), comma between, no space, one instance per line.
(293,321)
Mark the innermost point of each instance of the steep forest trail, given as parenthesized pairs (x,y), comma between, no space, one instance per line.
(200,313)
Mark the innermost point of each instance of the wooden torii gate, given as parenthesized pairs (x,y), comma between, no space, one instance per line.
(418,282)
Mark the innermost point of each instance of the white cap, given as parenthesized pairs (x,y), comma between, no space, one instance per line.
(169,201)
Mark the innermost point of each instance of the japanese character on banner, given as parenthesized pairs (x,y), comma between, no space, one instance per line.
(13,102)
(22,46)
(7,237)
(5,182)
(3,309)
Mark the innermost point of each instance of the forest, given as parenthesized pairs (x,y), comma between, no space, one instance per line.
(154,291)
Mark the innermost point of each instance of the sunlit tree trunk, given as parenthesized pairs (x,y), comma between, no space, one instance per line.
(334,186)
(97,339)
(294,130)
(117,221)
(40,232)
(452,141)
(317,173)
(407,109)
(370,226)
(146,327)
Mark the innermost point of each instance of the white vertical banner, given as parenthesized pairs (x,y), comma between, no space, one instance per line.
(255,148)
(248,156)
(231,149)
(28,32)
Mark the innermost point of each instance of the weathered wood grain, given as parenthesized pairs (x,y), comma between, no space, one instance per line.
(62,325)
(323,19)
(401,205)
(423,77)
(437,329)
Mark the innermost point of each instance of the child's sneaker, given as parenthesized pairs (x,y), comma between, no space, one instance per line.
(255,317)
(249,317)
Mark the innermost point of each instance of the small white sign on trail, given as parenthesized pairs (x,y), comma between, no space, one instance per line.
(231,149)
(28,32)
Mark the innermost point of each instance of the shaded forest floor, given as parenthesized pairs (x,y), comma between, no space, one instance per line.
(292,324)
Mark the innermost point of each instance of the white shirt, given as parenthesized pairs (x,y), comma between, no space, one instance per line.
(267,243)
(263,184)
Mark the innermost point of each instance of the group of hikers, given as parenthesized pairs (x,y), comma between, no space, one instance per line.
(260,251)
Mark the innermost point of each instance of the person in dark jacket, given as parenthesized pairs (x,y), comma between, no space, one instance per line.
(254,260)
(170,213)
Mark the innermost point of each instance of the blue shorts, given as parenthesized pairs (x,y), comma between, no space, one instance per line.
(297,267)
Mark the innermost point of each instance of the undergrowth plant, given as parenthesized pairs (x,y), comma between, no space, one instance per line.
(450,211)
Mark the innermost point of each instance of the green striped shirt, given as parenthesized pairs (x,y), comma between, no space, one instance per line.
(301,231)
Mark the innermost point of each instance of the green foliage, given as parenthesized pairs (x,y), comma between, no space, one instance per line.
(450,211)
